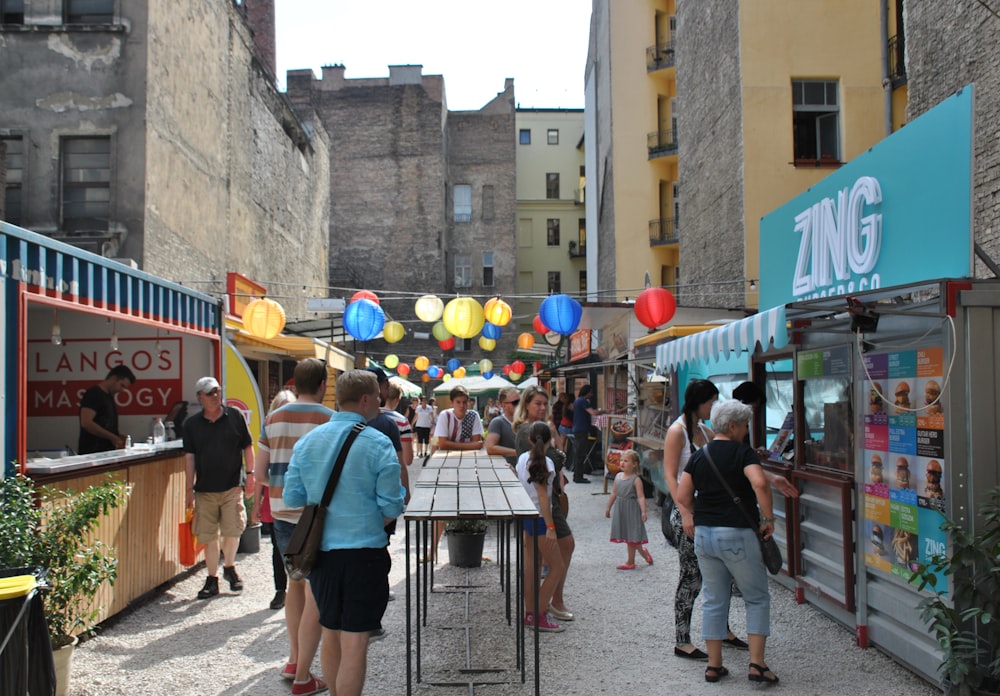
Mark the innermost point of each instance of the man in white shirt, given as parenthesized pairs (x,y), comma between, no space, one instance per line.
(423,425)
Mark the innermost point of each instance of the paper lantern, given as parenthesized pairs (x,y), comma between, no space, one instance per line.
(513,376)
(264,318)
(434,371)
(448,344)
(485,365)
(463,317)
(421,363)
(525,341)
(392,361)
(497,312)
(445,377)
(487,344)
(363,319)
(491,331)
(428,308)
(365,295)
(459,373)
(402,369)
(506,370)
(538,326)
(538,366)
(517,366)
(453,364)
(440,332)
(488,374)
(561,313)
(393,332)
(655,307)
(425,377)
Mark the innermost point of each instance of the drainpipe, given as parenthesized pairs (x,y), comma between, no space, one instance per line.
(886,80)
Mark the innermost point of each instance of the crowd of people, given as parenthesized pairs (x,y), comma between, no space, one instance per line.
(338,609)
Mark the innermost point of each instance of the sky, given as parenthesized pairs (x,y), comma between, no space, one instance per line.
(474,44)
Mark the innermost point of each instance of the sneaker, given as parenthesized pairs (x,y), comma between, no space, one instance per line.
(376,635)
(313,686)
(581,480)
(210,589)
(279,600)
(235,584)
(545,623)
(288,672)
(392,595)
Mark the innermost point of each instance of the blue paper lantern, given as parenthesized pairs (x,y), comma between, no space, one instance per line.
(363,319)
(488,374)
(491,331)
(561,313)
(435,371)
(453,364)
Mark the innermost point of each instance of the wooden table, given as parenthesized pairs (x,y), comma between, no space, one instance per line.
(464,485)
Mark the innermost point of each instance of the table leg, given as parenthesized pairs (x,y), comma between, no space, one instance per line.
(409,626)
(536,579)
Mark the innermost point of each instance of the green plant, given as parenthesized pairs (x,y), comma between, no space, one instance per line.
(967,624)
(467,526)
(51,528)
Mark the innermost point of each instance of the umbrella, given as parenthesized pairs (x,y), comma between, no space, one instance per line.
(530,382)
(474,385)
(406,386)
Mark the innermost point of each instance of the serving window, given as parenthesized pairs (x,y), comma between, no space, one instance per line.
(825,396)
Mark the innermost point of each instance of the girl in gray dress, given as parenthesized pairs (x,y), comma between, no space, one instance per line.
(628,521)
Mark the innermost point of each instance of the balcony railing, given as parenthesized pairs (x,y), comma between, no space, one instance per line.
(663,231)
(897,61)
(577,251)
(662,142)
(660,56)
(579,196)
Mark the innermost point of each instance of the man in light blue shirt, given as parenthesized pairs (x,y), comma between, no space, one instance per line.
(350,580)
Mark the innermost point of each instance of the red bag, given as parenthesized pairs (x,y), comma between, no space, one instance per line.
(187,543)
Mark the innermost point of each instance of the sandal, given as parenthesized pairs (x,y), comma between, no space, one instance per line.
(714,674)
(646,555)
(735,642)
(627,566)
(762,671)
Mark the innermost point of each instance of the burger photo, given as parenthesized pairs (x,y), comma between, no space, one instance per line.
(874,400)
(902,396)
(932,392)
(876,470)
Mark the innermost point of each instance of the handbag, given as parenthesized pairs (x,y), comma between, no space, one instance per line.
(304,545)
(666,525)
(563,500)
(187,542)
(768,547)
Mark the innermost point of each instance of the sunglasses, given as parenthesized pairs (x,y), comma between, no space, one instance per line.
(213,392)
(515,402)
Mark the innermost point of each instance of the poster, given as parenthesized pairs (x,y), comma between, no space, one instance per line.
(904,462)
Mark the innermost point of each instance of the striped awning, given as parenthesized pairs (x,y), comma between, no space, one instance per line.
(766,328)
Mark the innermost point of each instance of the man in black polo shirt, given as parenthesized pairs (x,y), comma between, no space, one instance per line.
(216,443)
(99,415)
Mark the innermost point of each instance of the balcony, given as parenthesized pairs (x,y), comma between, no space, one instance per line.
(579,196)
(660,56)
(577,251)
(897,61)
(663,231)
(662,143)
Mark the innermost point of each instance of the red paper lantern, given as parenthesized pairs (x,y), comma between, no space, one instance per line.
(364,295)
(517,366)
(447,344)
(655,307)
(506,370)
(402,369)
(538,326)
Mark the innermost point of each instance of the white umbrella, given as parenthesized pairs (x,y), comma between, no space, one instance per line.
(530,382)
(406,386)
(474,385)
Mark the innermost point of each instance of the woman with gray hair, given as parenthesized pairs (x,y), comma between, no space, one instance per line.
(725,543)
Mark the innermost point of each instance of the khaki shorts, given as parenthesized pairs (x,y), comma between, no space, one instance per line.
(213,511)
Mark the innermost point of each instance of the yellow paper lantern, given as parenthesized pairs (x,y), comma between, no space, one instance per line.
(485,365)
(497,312)
(393,332)
(525,341)
(445,377)
(513,376)
(391,361)
(440,332)
(429,308)
(487,344)
(421,363)
(459,373)
(425,377)
(264,318)
(463,317)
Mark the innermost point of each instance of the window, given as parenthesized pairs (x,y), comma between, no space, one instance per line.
(583,282)
(463,271)
(11,11)
(555,281)
(90,11)
(524,137)
(488,207)
(487,269)
(552,226)
(552,136)
(552,185)
(14,162)
(816,120)
(463,203)
(86,182)
(581,233)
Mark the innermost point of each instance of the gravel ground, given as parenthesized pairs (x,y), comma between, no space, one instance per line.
(621,640)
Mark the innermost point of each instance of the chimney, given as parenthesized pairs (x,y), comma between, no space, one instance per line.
(260,17)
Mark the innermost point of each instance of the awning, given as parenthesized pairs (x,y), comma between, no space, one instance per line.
(297,347)
(764,328)
(676,331)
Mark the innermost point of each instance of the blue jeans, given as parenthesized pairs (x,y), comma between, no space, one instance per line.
(726,554)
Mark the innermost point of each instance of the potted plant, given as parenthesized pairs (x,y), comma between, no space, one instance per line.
(966,620)
(53,529)
(465,542)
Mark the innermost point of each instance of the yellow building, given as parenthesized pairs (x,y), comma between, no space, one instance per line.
(551,225)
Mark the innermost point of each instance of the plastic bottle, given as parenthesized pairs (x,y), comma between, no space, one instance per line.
(159,433)
(128,442)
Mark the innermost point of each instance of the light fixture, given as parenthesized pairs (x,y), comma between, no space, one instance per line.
(753,284)
(56,331)
(114,335)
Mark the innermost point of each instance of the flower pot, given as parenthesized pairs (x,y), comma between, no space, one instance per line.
(250,539)
(466,550)
(62,658)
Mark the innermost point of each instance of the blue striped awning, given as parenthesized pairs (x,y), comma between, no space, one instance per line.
(766,328)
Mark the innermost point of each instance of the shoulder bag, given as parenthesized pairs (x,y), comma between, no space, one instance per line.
(768,547)
(303,546)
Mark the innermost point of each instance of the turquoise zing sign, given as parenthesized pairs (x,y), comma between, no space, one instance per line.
(898,213)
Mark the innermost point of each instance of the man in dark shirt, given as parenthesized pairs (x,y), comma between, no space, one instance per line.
(98,414)
(582,411)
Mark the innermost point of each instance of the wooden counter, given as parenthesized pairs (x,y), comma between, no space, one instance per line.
(144,531)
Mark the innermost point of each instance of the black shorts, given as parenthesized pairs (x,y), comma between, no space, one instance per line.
(423,435)
(351,587)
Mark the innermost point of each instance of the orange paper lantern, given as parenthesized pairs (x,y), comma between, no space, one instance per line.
(525,341)
(497,312)
(264,318)
(421,363)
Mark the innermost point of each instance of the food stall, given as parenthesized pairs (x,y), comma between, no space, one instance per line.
(884,348)
(69,317)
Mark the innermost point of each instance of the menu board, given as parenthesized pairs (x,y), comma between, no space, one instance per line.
(904,462)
